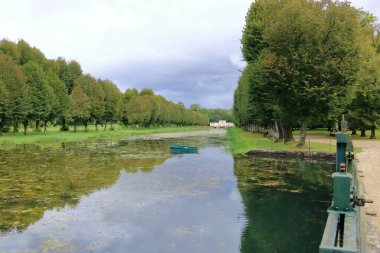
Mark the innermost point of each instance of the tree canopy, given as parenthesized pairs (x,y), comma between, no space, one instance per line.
(303,63)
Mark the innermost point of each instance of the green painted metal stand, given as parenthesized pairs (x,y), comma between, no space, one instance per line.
(344,227)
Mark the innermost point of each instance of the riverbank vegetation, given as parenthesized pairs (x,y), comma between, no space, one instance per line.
(308,62)
(38,92)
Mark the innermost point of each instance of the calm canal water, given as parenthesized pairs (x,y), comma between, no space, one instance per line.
(137,197)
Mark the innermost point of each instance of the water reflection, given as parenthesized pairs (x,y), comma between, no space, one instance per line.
(136,196)
(285,204)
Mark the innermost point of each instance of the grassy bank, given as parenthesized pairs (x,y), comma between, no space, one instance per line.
(240,141)
(54,136)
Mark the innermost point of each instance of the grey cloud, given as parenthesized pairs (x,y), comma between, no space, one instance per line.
(209,81)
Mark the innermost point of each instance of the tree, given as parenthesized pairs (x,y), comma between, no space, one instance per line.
(17,89)
(127,96)
(112,100)
(79,107)
(220,114)
(60,100)
(9,48)
(4,106)
(146,92)
(309,57)
(364,110)
(40,94)
(138,110)
(26,54)
(95,94)
(69,72)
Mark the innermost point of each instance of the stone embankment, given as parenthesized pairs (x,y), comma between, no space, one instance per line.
(330,157)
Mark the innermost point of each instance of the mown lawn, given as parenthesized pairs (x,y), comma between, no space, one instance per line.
(240,141)
(54,136)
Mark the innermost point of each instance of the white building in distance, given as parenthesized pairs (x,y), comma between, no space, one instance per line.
(221,124)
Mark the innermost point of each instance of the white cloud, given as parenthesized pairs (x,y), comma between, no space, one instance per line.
(165,38)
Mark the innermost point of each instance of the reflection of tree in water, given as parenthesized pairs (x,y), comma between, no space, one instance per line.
(284,204)
(35,180)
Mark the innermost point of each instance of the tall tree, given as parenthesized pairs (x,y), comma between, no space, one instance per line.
(17,89)
(9,48)
(40,94)
(95,94)
(60,100)
(112,100)
(309,52)
(4,106)
(365,108)
(69,72)
(79,108)
(146,92)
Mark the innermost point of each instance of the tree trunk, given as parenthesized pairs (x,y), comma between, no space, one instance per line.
(287,132)
(302,135)
(63,123)
(37,125)
(25,123)
(15,128)
(45,127)
(373,133)
(362,132)
(85,127)
(75,127)
(1,129)
(105,126)
(353,132)
(96,125)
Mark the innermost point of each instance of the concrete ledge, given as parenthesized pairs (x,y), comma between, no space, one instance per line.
(293,155)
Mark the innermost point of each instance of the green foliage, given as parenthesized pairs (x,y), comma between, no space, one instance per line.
(68,72)
(10,49)
(146,92)
(41,96)
(79,106)
(140,110)
(364,111)
(4,106)
(220,114)
(148,110)
(94,92)
(304,59)
(34,89)
(15,84)
(60,100)
(112,100)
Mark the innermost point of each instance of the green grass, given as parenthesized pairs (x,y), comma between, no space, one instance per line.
(54,136)
(325,133)
(240,141)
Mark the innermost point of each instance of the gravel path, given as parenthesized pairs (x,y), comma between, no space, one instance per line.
(369,163)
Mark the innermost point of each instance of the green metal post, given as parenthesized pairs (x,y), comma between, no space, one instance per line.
(341,144)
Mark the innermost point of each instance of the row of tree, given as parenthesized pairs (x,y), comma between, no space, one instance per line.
(39,90)
(308,62)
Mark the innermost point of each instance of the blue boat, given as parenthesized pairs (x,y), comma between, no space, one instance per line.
(180,149)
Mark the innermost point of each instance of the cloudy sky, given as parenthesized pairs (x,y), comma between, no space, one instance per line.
(187,51)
